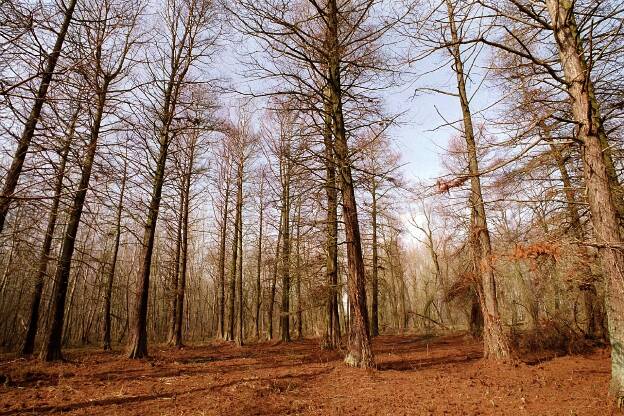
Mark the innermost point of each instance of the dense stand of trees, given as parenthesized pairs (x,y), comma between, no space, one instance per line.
(150,194)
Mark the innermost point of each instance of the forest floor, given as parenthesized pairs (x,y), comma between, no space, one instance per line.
(415,376)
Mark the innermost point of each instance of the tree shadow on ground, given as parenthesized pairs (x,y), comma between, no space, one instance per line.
(299,379)
(424,363)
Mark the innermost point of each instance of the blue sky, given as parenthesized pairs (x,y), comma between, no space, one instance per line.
(419,144)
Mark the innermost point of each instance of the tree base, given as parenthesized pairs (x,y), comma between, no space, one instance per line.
(27,350)
(51,354)
(137,350)
(356,361)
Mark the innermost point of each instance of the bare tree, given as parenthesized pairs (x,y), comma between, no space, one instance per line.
(186,40)
(112,25)
(15,170)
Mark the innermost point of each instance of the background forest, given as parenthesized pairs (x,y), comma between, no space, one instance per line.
(182,170)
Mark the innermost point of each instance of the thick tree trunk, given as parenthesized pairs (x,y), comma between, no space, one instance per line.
(108,294)
(15,170)
(602,195)
(51,349)
(360,352)
(496,344)
(28,346)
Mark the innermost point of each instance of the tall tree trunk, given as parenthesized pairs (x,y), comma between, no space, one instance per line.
(274,275)
(175,278)
(186,198)
(137,341)
(111,271)
(51,349)
(15,170)
(221,321)
(259,265)
(331,233)
(496,344)
(239,277)
(285,308)
(601,194)
(360,352)
(28,346)
(298,271)
(375,274)
(234,264)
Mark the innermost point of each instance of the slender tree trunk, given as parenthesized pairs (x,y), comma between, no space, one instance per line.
(235,244)
(137,341)
(259,265)
(285,308)
(111,271)
(186,199)
(298,271)
(602,195)
(175,278)
(15,170)
(274,275)
(375,274)
(496,344)
(51,349)
(239,278)
(360,352)
(221,321)
(35,304)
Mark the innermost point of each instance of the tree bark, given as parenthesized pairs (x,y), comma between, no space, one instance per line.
(602,196)
(360,353)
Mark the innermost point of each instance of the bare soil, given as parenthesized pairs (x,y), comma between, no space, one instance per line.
(416,376)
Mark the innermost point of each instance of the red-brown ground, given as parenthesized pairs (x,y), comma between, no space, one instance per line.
(416,376)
